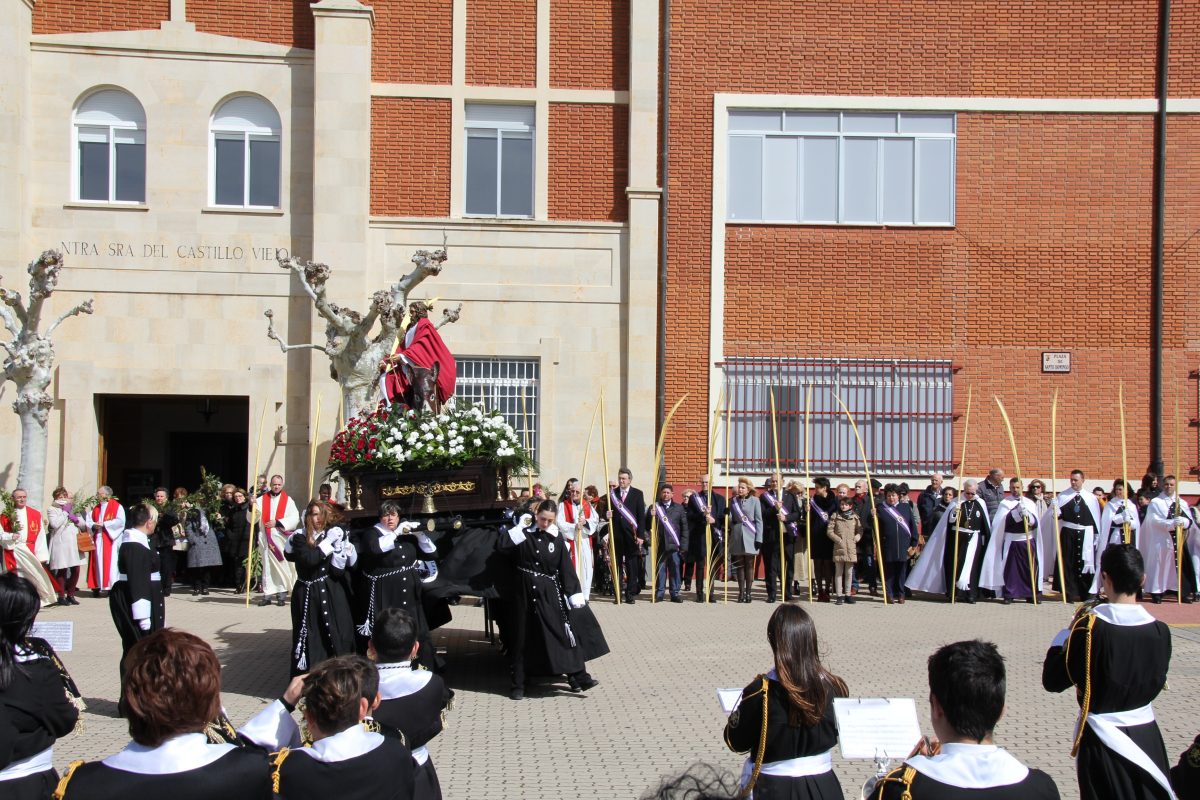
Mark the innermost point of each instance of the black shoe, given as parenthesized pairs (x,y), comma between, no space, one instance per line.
(1156,599)
(266,601)
(699,597)
(71,601)
(204,590)
(95,592)
(630,600)
(837,601)
(971,600)
(588,683)
(1007,601)
(280,599)
(712,599)
(195,591)
(676,599)
(517,694)
(687,586)
(770,598)
(850,600)
(572,684)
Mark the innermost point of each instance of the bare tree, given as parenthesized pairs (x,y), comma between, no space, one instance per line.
(29,364)
(355,356)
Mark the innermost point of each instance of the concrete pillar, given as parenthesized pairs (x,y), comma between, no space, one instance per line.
(16,24)
(640,347)
(341,206)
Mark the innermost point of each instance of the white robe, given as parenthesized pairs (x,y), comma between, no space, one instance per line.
(928,575)
(1050,520)
(992,576)
(584,566)
(107,536)
(278,574)
(28,565)
(1155,541)
(1114,532)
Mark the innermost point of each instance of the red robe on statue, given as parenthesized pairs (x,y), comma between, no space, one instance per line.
(423,346)
(34,518)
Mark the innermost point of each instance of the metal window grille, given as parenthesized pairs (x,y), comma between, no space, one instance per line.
(499,384)
(904,412)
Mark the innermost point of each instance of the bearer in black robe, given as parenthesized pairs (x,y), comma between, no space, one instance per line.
(1078,526)
(322,626)
(346,760)
(413,702)
(392,562)
(966,700)
(552,631)
(1116,657)
(705,510)
(136,599)
(968,522)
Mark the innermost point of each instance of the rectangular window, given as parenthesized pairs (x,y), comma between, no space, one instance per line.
(499,160)
(831,167)
(903,409)
(508,385)
(112,164)
(246,169)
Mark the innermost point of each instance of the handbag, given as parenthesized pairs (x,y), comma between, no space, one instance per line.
(84,542)
(181,543)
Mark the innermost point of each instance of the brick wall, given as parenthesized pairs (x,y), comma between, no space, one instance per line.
(82,16)
(1043,201)
(589,44)
(412,41)
(410,157)
(501,42)
(589,146)
(286,22)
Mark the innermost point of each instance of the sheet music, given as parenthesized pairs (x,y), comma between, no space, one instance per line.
(60,634)
(728,698)
(870,728)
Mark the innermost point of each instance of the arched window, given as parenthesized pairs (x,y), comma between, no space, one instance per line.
(110,148)
(245,154)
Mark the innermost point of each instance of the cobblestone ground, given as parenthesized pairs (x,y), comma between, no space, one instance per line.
(655,712)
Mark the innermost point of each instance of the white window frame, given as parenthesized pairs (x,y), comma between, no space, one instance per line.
(498,381)
(515,130)
(111,131)
(841,136)
(247,134)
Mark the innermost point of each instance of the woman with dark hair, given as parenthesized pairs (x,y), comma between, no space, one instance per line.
(551,630)
(784,720)
(322,626)
(237,532)
(36,696)
(346,760)
(392,561)
(172,693)
(1116,656)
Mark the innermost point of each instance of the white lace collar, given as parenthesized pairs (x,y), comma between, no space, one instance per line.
(971,766)
(181,753)
(1124,614)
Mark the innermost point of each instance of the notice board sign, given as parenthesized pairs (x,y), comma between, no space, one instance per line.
(1056,362)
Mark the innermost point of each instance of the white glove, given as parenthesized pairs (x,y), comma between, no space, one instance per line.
(525,521)
(407,527)
(1118,519)
(336,538)
(1181,522)
(144,624)
(425,543)
(1016,514)
(428,570)
(577,600)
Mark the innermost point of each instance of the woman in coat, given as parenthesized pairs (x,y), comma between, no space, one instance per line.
(745,535)
(322,625)
(844,531)
(204,551)
(65,559)
(237,534)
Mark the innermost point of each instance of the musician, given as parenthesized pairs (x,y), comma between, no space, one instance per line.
(672,528)
(551,630)
(578,522)
(947,567)
(966,700)
(1017,542)
(413,702)
(784,720)
(1158,541)
(627,516)
(1116,656)
(705,511)
(1078,523)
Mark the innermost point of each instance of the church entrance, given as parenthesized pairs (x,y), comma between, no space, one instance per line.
(164,440)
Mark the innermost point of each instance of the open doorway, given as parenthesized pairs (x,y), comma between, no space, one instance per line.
(164,440)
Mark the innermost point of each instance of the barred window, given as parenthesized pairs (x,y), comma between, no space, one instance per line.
(904,411)
(508,385)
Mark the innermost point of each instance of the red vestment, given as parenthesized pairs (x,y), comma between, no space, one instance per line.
(425,350)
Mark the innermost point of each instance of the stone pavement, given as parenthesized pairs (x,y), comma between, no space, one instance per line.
(655,712)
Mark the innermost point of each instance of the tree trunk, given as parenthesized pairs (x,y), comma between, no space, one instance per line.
(32,408)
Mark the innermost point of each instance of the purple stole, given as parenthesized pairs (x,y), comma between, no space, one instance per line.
(666,523)
(741,516)
(625,512)
(899,519)
(778,506)
(812,503)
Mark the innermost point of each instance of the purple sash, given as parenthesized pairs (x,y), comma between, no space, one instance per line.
(625,512)
(820,511)
(666,523)
(703,506)
(741,515)
(899,519)
(775,504)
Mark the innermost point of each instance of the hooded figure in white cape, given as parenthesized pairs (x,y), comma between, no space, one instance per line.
(1156,540)
(929,574)
(1006,562)
(1078,537)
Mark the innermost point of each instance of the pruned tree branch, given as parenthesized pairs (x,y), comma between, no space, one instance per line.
(85,307)
(313,277)
(450,315)
(284,346)
(10,324)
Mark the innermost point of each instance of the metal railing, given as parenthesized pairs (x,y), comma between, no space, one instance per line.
(498,383)
(903,408)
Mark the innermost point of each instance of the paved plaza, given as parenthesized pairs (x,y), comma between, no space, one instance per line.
(655,711)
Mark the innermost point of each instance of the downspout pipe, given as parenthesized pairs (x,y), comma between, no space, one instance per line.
(665,147)
(1157,288)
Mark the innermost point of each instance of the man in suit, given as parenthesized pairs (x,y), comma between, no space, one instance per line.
(775,524)
(672,535)
(704,508)
(628,522)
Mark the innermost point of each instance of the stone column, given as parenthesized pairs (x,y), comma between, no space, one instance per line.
(640,346)
(16,24)
(341,206)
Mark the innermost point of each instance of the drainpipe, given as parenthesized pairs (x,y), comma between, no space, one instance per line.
(1156,262)
(662,230)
